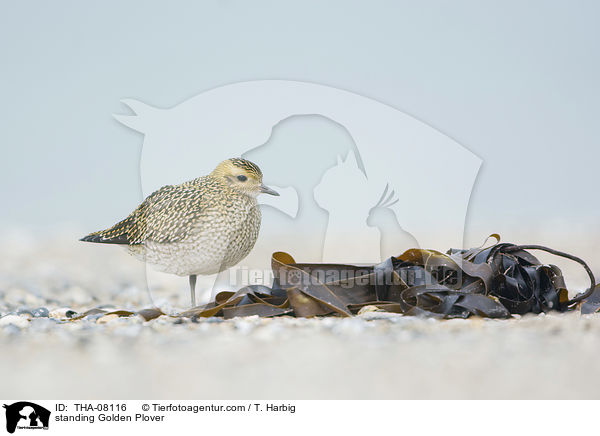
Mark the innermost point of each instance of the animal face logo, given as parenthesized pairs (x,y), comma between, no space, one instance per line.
(26,415)
(359,180)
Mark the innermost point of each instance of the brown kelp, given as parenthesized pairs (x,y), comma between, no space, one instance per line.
(493,282)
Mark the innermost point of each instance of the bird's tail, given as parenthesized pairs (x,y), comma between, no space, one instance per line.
(117,234)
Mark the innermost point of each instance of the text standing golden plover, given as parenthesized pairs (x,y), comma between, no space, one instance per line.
(203,226)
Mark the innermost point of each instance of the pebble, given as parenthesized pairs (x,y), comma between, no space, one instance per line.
(40,312)
(367,309)
(62,312)
(90,319)
(25,313)
(106,319)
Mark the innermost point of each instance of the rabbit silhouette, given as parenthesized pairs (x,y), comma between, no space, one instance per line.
(393,239)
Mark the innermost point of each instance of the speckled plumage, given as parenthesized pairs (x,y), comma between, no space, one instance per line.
(202,226)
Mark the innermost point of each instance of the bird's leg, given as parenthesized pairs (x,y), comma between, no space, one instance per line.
(193,289)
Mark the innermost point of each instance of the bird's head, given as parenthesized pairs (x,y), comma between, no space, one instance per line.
(243,176)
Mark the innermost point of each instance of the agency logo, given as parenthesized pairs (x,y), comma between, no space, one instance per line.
(26,415)
(359,181)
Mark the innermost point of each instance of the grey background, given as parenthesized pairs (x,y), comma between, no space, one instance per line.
(514,82)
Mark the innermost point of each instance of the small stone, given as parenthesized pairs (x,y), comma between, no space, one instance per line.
(106,319)
(62,312)
(92,318)
(14,320)
(213,320)
(370,308)
(40,312)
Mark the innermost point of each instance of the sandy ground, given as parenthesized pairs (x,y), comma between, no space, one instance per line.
(376,355)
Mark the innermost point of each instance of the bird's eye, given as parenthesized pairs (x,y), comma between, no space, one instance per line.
(242,178)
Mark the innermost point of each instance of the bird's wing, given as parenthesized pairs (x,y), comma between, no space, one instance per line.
(172,214)
(164,216)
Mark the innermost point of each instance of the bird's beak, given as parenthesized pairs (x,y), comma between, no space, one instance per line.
(266,190)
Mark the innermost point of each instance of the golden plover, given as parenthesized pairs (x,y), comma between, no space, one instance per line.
(202,226)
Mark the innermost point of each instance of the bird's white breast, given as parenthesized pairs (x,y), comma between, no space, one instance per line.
(221,237)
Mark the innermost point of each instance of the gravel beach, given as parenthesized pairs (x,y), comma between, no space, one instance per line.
(375,355)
